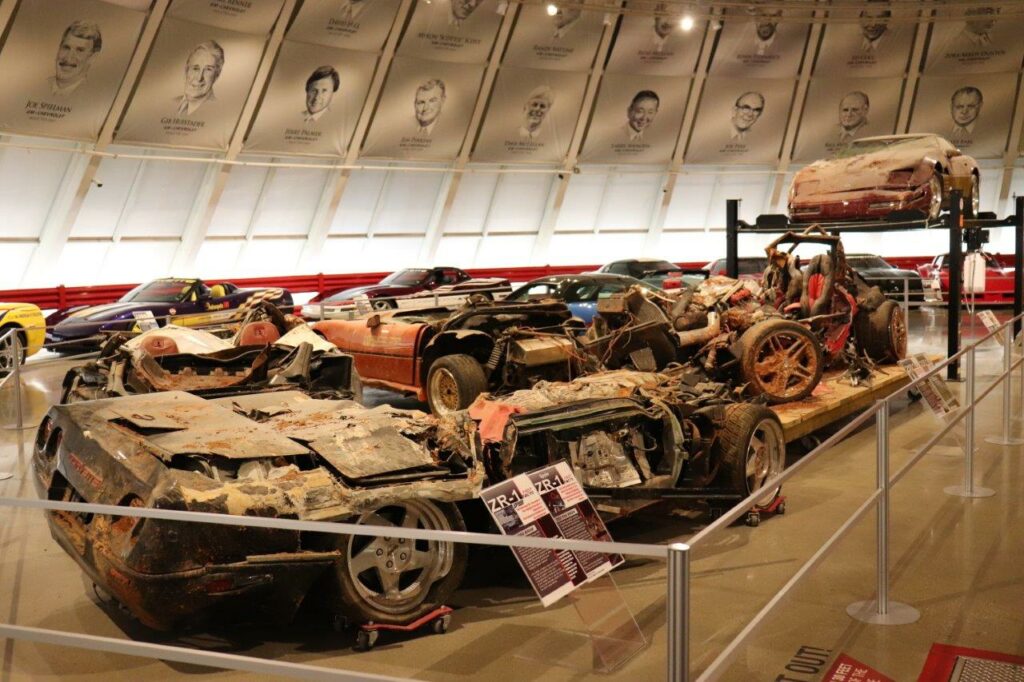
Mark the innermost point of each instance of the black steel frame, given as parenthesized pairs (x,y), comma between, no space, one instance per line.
(953,220)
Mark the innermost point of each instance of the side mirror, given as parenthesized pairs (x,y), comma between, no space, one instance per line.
(373,321)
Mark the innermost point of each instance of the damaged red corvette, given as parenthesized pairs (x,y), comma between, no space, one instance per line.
(883,177)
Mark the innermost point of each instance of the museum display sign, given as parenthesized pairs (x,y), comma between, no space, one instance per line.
(740,120)
(424,111)
(636,119)
(531,116)
(193,88)
(840,110)
(452,30)
(313,101)
(550,503)
(63,63)
(351,24)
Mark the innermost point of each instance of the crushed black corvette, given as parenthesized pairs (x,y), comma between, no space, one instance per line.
(632,438)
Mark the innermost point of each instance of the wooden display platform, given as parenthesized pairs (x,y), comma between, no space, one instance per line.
(834,399)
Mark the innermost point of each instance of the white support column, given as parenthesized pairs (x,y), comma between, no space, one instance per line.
(561,186)
(1013,150)
(914,70)
(796,109)
(334,187)
(81,170)
(450,187)
(660,213)
(216,176)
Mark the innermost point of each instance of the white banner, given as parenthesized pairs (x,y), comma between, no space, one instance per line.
(62,65)
(313,101)
(972,111)
(193,87)
(981,42)
(841,110)
(351,24)
(424,111)
(767,44)
(452,31)
(566,41)
(870,42)
(245,16)
(636,119)
(531,116)
(740,120)
(656,46)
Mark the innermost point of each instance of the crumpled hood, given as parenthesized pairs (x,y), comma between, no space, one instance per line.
(858,172)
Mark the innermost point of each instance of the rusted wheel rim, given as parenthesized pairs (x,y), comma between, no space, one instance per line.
(395,575)
(785,364)
(444,390)
(898,334)
(765,458)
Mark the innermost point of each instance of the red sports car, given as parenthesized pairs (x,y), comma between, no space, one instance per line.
(998,279)
(883,177)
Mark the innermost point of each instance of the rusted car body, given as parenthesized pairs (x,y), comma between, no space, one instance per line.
(882,177)
(269,351)
(633,438)
(273,454)
(772,338)
(447,357)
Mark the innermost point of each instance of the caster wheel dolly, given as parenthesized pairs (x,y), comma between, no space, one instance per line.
(777,506)
(439,620)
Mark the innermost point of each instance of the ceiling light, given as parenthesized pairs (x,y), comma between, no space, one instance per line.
(686,23)
(552,10)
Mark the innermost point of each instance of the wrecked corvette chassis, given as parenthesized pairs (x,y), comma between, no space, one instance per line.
(269,351)
(631,437)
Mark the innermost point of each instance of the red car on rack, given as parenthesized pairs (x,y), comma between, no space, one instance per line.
(998,279)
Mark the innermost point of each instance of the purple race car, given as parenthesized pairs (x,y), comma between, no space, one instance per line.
(184,301)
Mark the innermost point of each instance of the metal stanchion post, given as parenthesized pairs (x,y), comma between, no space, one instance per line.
(678,612)
(1005,438)
(906,298)
(967,488)
(17,382)
(881,611)
(15,379)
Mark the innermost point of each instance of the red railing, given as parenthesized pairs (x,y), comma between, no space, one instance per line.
(66,296)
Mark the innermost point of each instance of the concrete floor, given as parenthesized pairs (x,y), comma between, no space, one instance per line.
(954,559)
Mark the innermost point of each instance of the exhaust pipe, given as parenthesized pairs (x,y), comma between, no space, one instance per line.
(701,336)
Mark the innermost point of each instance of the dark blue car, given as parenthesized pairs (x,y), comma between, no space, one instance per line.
(579,292)
(182,301)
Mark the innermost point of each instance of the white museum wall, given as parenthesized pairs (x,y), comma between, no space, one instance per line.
(130,228)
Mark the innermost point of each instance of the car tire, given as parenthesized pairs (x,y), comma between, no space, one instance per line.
(393,580)
(7,359)
(935,192)
(749,450)
(781,360)
(882,332)
(453,383)
(383,304)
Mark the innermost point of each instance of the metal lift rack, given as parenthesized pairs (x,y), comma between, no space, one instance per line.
(961,229)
